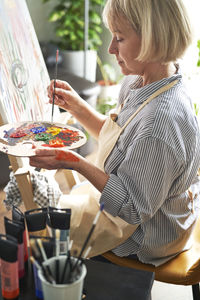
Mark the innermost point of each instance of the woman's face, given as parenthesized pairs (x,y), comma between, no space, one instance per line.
(125,45)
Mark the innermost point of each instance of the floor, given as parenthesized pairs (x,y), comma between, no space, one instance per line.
(164,291)
(160,291)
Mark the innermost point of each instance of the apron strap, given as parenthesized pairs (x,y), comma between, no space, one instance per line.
(154,95)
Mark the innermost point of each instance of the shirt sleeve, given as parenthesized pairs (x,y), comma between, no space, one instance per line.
(142,182)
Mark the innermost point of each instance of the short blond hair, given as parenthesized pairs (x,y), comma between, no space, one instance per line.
(163,25)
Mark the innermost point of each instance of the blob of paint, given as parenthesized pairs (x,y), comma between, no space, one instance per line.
(61,155)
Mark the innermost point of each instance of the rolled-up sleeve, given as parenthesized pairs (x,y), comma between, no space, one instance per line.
(142,181)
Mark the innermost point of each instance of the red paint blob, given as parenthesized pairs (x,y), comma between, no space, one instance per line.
(61,155)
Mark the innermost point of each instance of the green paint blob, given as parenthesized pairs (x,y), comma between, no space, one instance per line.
(43,137)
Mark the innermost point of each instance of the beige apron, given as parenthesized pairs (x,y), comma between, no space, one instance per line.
(84,200)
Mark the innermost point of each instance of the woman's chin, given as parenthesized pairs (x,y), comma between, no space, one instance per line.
(124,70)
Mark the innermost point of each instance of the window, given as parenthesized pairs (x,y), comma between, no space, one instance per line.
(190,70)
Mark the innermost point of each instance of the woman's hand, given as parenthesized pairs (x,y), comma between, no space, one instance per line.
(65,97)
(51,159)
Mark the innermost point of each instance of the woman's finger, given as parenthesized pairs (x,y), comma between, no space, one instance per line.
(59,84)
(45,152)
(58,101)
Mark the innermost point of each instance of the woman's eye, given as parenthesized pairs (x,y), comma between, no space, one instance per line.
(119,40)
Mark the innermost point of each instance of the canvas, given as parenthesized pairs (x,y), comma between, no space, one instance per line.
(23,74)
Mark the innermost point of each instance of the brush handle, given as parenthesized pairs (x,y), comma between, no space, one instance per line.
(57,271)
(54,85)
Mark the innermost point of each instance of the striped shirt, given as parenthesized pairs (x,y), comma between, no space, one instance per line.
(151,167)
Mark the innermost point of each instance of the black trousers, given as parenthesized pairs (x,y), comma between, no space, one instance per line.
(103,259)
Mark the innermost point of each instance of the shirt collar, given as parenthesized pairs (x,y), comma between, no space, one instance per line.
(138,93)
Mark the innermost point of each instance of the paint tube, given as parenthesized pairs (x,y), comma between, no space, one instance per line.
(60,219)
(17,215)
(16,230)
(9,268)
(36,221)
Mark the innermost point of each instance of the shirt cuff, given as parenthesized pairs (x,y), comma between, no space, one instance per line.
(113,195)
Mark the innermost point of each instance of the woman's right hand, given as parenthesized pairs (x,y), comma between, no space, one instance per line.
(65,97)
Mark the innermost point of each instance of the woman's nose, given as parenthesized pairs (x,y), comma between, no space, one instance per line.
(113,47)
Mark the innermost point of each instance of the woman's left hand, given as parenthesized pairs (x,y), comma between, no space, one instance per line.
(51,159)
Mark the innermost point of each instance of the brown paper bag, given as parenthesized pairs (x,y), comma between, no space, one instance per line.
(109,232)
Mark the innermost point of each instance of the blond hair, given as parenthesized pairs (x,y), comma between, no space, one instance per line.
(163,26)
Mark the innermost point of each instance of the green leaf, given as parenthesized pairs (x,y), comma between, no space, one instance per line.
(68,16)
(98,2)
(95,18)
(55,16)
(96,28)
(73,36)
(80,34)
(62,33)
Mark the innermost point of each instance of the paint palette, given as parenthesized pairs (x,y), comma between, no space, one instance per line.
(18,139)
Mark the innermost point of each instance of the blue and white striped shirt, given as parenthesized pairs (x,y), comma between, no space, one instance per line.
(151,167)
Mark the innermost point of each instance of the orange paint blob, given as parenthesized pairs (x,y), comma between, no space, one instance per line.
(61,155)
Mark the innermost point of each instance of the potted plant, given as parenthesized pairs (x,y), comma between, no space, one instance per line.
(69,19)
(110,87)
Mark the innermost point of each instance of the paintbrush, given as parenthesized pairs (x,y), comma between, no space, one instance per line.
(44,256)
(39,242)
(88,236)
(57,254)
(42,268)
(67,262)
(32,259)
(46,269)
(54,84)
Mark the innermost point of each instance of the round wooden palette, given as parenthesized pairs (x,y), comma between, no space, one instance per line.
(17,139)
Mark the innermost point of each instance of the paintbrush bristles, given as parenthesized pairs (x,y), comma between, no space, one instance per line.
(57,242)
(34,248)
(42,249)
(57,234)
(32,259)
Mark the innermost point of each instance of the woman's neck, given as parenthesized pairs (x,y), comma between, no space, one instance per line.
(156,71)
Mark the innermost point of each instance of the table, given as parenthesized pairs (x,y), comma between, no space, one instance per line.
(104,281)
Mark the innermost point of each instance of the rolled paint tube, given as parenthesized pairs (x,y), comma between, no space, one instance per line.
(60,219)
(9,268)
(18,215)
(16,230)
(36,220)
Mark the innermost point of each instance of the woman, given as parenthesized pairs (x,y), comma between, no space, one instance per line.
(147,176)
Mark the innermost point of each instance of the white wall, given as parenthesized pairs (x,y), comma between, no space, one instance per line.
(39,13)
(191,71)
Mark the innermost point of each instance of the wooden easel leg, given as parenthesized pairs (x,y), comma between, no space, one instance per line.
(71,178)
(25,187)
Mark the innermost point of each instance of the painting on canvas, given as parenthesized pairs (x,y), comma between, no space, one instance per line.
(23,74)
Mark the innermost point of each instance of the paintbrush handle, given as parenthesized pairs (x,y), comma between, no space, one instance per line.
(54,85)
